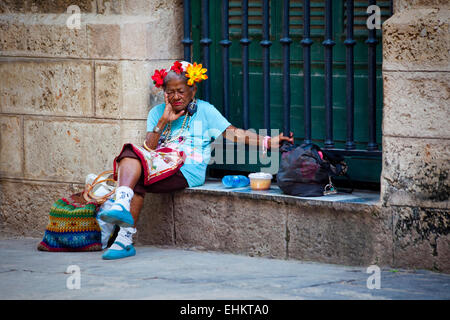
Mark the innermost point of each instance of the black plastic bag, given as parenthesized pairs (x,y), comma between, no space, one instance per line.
(305,170)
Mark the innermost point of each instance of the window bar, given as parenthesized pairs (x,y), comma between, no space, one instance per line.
(328,43)
(205,42)
(372,87)
(187,41)
(306,43)
(266,43)
(245,42)
(285,42)
(350,80)
(225,43)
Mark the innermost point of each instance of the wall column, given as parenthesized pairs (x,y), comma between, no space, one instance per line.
(415,181)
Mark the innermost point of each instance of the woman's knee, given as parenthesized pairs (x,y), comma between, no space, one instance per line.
(130,165)
(128,161)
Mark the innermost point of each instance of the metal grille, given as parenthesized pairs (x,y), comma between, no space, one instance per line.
(307,19)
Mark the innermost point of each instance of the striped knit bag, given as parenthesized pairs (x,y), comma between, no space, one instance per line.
(72,226)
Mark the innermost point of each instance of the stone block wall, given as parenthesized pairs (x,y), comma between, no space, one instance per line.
(69,98)
(282,228)
(415,179)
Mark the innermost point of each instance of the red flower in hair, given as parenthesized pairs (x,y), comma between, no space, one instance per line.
(158,77)
(177,67)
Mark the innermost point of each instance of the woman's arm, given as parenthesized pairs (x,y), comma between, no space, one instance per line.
(252,138)
(152,137)
(242,136)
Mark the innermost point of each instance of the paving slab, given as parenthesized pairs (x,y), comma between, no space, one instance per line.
(171,273)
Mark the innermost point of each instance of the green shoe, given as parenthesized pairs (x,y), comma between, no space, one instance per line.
(113,254)
(122,218)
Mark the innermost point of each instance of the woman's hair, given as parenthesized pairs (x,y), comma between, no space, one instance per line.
(172,75)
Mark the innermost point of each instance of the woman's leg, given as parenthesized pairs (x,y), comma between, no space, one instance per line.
(131,190)
(136,206)
(129,172)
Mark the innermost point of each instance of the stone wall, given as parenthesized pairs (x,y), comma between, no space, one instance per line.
(71,97)
(416,132)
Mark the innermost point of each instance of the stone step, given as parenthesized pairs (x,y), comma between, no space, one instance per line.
(342,229)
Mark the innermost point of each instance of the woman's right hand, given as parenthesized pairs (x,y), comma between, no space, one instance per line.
(169,114)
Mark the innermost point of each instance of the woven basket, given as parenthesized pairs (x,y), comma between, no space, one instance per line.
(102,179)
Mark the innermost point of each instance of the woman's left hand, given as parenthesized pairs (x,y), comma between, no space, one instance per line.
(278,140)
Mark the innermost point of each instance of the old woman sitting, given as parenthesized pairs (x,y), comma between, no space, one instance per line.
(175,152)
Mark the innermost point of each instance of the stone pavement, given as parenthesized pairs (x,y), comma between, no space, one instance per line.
(175,274)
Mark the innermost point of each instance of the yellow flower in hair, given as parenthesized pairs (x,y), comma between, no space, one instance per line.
(196,73)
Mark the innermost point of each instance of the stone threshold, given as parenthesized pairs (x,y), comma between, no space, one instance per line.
(363,198)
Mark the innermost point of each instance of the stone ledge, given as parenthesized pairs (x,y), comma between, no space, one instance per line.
(356,200)
(352,229)
(343,228)
(365,198)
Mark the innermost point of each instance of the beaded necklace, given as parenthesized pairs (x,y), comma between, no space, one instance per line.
(166,136)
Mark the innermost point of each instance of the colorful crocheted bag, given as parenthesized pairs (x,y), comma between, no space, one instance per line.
(72,226)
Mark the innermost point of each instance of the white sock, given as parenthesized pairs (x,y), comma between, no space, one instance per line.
(125,236)
(123,196)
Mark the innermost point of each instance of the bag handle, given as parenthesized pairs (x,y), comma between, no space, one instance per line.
(87,193)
